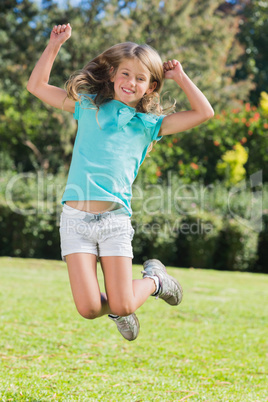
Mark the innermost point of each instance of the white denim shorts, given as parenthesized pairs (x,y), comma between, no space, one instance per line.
(106,234)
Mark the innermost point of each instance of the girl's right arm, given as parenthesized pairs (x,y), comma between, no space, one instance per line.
(38,82)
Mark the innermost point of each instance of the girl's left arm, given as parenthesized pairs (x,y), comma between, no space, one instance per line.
(201,108)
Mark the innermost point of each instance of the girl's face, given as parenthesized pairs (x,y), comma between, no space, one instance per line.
(131,82)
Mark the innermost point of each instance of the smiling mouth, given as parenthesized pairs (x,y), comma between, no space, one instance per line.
(128,91)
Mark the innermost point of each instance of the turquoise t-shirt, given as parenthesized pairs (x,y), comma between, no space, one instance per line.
(109,148)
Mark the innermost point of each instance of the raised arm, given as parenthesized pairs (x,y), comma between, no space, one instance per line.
(201,108)
(38,82)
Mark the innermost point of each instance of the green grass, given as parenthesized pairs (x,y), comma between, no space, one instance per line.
(214,347)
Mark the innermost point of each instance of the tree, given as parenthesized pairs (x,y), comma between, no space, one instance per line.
(31,132)
(253,35)
(202,35)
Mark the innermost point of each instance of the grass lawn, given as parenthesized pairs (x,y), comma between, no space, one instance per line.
(213,347)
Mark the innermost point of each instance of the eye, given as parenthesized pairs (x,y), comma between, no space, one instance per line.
(125,74)
(141,79)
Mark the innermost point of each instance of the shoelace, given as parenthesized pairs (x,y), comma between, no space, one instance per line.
(125,325)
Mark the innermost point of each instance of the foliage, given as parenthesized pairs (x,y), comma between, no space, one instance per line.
(205,240)
(28,235)
(232,165)
(193,155)
(236,247)
(198,226)
(264,101)
(197,240)
(262,250)
(29,217)
(253,36)
(51,353)
(201,36)
(32,133)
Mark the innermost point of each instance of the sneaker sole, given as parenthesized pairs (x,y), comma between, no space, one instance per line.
(138,326)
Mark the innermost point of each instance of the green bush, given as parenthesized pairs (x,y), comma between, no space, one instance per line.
(181,225)
(197,240)
(31,236)
(262,249)
(203,240)
(193,155)
(236,247)
(232,165)
(155,238)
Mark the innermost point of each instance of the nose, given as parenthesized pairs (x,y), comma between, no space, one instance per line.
(131,81)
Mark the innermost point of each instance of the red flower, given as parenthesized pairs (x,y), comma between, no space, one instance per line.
(244,120)
(194,165)
(216,143)
(250,132)
(170,144)
(265,125)
(175,140)
(256,116)
(247,107)
(243,140)
(180,162)
(236,120)
(158,172)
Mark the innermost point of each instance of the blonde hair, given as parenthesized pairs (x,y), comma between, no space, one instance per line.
(95,77)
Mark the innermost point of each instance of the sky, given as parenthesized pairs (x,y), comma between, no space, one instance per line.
(61,3)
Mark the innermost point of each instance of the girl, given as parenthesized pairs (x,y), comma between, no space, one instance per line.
(115,99)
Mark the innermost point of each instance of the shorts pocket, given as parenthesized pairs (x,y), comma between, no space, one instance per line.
(117,228)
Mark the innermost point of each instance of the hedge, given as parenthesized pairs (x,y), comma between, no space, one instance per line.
(29,236)
(262,248)
(203,240)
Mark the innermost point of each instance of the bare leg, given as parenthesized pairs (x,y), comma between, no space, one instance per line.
(124,295)
(89,301)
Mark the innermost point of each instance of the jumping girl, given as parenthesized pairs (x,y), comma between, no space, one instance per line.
(115,99)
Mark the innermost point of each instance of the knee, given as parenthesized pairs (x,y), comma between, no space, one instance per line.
(89,313)
(123,309)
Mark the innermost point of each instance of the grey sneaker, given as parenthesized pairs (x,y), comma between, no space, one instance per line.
(128,326)
(170,290)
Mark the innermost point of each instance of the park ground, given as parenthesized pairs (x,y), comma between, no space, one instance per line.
(213,347)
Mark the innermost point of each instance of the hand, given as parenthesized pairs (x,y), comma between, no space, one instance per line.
(172,69)
(60,33)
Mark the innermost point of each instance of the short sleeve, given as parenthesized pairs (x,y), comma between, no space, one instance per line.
(153,124)
(84,102)
(156,128)
(76,110)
